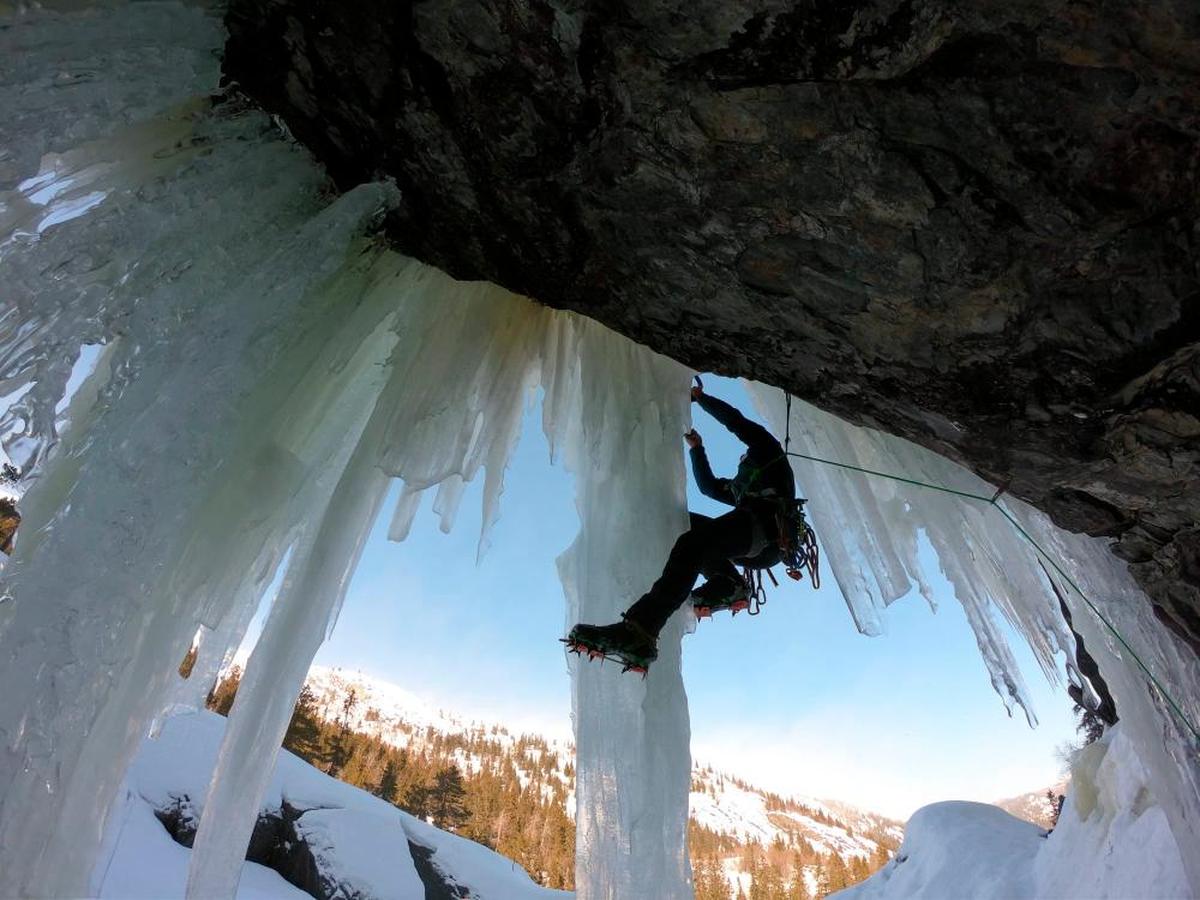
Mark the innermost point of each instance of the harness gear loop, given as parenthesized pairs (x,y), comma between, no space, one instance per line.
(798,543)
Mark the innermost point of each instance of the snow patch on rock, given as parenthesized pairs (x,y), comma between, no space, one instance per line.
(360,842)
(1112,841)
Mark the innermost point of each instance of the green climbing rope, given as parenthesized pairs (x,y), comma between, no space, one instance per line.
(993,501)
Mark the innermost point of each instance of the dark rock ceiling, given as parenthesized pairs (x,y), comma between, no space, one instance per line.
(971,223)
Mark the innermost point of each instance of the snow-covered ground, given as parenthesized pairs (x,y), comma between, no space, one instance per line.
(1112,841)
(358,841)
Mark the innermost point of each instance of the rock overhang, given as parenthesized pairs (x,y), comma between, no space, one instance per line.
(970,224)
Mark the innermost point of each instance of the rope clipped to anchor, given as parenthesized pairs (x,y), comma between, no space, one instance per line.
(994,501)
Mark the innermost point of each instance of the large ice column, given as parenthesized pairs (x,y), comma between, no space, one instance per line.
(197,246)
(318,576)
(633,759)
(98,620)
(465,362)
(869,528)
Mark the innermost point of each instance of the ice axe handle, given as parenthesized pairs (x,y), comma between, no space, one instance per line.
(699,383)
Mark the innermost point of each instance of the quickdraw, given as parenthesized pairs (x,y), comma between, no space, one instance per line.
(758,594)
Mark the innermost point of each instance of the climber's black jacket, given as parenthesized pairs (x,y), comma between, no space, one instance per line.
(763,472)
(746,535)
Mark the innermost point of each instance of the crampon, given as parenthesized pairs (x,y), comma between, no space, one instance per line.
(611,642)
(704,609)
(720,594)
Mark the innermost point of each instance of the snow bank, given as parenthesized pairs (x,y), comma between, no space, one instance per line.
(147,864)
(359,841)
(1112,840)
(958,849)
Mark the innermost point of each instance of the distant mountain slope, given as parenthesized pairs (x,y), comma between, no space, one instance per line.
(720,801)
(737,828)
(1036,806)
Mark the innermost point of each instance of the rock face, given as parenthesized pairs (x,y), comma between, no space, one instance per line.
(972,224)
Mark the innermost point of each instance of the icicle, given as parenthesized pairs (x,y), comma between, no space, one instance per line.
(870,529)
(405,512)
(313,589)
(993,569)
(622,442)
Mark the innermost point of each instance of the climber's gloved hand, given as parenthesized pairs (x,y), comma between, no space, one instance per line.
(693,436)
(697,389)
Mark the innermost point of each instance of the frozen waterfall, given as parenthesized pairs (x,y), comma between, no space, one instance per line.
(266,367)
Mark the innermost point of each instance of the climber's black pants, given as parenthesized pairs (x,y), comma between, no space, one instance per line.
(707,547)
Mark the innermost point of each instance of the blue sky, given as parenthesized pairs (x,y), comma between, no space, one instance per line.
(794,700)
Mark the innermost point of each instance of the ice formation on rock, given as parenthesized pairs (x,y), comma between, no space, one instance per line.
(1112,840)
(267,367)
(869,529)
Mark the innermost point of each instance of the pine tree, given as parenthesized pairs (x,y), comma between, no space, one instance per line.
(303,736)
(446,804)
(797,886)
(833,875)
(389,782)
(340,748)
(414,799)
(220,698)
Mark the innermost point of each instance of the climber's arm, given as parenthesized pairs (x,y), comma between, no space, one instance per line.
(709,484)
(748,432)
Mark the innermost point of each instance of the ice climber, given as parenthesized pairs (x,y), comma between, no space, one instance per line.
(765,526)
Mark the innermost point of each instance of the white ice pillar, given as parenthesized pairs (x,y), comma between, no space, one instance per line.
(633,760)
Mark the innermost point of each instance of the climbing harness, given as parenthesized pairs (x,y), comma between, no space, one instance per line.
(993,500)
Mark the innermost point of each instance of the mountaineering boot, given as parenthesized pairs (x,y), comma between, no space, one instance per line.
(720,593)
(625,641)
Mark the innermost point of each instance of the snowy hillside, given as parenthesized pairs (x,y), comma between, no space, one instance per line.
(730,806)
(334,839)
(719,801)
(1036,806)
